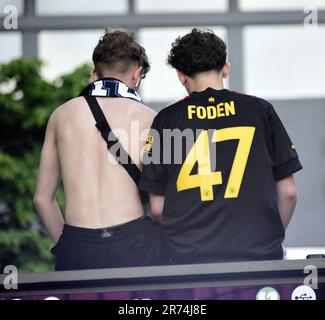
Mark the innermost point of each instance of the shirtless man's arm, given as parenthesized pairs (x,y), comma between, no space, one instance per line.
(48,180)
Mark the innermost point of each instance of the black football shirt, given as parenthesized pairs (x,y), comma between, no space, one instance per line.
(216,157)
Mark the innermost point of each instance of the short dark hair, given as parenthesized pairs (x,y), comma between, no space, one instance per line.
(198,51)
(118,50)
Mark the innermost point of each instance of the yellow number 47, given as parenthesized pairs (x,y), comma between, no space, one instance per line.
(200,154)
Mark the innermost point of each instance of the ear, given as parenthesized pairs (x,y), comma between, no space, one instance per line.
(93,75)
(182,78)
(136,77)
(225,70)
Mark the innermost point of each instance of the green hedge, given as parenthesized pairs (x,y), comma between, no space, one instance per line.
(26,103)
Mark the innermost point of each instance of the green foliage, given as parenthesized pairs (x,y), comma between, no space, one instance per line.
(26,103)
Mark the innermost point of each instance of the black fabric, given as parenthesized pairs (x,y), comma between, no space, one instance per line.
(246,227)
(106,131)
(135,243)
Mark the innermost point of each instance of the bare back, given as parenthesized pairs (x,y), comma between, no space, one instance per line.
(99,192)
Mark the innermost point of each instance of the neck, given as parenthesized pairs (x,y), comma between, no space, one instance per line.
(204,81)
(119,76)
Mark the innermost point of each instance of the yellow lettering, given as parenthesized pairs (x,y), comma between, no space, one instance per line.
(230,108)
(190,111)
(223,109)
(150,139)
(220,110)
(212,112)
(201,112)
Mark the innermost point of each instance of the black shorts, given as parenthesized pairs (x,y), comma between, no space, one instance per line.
(135,243)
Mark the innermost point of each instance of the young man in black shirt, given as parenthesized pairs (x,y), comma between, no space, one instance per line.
(232,195)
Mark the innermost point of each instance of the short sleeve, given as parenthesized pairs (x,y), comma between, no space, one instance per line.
(284,153)
(154,177)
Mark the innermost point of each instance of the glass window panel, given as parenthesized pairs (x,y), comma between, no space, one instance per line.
(16,3)
(284,61)
(266,5)
(62,51)
(10,46)
(161,83)
(181,6)
(75,7)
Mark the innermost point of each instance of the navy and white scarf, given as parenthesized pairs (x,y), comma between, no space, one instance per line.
(110,87)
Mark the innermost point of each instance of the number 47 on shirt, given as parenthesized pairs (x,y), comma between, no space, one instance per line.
(200,154)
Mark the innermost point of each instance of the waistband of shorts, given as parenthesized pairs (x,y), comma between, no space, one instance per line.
(109,233)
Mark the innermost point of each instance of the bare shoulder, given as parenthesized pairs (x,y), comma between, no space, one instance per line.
(72,105)
(63,111)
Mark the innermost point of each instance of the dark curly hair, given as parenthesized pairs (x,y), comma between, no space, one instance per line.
(118,50)
(198,51)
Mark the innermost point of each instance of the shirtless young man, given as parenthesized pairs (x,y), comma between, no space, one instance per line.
(104,224)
